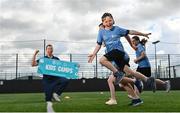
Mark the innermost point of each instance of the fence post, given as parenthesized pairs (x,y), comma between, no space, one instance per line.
(160,69)
(96,66)
(44,46)
(5,75)
(159,72)
(169,65)
(16,65)
(82,75)
(174,71)
(70,57)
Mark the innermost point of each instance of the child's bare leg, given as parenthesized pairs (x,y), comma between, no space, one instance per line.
(150,81)
(166,84)
(136,91)
(128,88)
(126,82)
(104,61)
(111,86)
(118,74)
(135,73)
(158,81)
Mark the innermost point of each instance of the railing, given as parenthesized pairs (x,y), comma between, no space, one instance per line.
(18,66)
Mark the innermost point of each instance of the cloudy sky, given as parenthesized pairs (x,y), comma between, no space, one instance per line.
(72,25)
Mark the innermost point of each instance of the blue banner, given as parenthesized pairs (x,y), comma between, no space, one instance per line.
(59,68)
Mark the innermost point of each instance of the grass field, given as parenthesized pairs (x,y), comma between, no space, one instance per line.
(91,102)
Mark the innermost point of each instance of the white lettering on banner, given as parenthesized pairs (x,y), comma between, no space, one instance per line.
(51,67)
(65,69)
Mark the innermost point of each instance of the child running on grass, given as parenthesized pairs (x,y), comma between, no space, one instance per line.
(110,36)
(142,60)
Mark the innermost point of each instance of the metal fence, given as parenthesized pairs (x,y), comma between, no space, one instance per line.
(16,56)
(18,66)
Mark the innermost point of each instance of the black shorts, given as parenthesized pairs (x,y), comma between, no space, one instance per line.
(145,71)
(118,57)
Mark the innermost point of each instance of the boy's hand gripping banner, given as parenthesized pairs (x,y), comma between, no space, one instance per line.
(58,68)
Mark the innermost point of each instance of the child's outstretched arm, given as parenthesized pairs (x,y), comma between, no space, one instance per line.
(133,32)
(91,56)
(34,63)
(143,54)
(98,46)
(130,42)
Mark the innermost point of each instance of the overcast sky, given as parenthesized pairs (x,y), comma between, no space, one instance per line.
(72,25)
(77,21)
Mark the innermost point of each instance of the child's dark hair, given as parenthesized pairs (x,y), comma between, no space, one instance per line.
(107,14)
(49,45)
(143,41)
(100,24)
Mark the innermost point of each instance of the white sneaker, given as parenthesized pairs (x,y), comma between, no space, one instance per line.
(56,97)
(50,107)
(111,102)
(168,86)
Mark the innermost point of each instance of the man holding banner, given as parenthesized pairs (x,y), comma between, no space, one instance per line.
(53,85)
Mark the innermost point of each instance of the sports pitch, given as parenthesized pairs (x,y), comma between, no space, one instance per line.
(91,102)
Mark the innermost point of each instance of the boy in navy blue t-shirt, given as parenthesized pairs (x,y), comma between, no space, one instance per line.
(53,86)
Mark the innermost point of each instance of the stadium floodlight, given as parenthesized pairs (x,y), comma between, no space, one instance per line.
(155,42)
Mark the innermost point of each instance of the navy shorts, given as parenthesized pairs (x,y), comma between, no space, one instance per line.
(145,71)
(118,57)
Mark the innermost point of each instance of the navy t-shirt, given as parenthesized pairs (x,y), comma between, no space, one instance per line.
(49,76)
